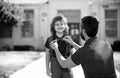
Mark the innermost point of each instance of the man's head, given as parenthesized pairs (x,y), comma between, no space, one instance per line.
(89,26)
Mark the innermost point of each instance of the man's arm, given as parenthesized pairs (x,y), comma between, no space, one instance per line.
(76,46)
(69,40)
(65,63)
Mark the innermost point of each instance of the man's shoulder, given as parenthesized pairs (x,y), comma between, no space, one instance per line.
(83,49)
(105,42)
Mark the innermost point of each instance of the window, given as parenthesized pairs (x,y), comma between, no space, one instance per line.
(5,32)
(111,23)
(27,28)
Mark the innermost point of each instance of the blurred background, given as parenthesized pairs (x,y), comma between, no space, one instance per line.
(25,25)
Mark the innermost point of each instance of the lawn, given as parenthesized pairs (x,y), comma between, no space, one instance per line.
(11,62)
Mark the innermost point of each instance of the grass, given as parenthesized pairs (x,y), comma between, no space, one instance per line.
(11,62)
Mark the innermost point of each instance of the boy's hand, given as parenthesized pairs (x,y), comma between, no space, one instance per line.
(54,44)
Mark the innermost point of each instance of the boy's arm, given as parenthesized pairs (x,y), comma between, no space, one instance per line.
(48,69)
(47,58)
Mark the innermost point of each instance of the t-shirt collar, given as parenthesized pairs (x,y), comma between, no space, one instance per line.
(59,37)
(90,40)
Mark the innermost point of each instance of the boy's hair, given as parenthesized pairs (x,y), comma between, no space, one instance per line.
(90,24)
(59,18)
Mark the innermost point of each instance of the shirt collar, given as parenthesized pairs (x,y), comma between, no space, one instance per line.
(90,40)
(59,37)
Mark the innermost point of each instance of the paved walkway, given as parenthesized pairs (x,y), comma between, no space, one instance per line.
(37,70)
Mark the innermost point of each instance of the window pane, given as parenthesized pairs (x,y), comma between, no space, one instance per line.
(5,32)
(28,14)
(111,24)
(111,33)
(111,13)
(27,28)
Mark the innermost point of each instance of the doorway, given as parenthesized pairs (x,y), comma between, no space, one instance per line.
(73,17)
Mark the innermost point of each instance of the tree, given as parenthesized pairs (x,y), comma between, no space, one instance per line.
(10,14)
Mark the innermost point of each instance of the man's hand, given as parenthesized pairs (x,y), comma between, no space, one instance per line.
(68,39)
(54,44)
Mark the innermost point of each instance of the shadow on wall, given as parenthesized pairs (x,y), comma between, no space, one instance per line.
(8,47)
(24,48)
(34,45)
(116,46)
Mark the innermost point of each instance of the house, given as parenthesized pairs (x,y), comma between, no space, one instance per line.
(36,28)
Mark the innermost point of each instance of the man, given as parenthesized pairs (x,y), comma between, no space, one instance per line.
(96,56)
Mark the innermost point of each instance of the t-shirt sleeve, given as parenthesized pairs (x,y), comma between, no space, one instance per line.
(78,57)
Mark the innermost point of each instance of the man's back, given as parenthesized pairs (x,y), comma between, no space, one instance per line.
(100,61)
(96,58)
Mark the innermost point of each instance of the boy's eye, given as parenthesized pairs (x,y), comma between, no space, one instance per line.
(62,23)
(59,24)
(56,24)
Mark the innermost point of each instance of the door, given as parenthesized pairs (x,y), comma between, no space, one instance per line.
(73,17)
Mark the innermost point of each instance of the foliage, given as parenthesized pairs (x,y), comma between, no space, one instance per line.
(10,14)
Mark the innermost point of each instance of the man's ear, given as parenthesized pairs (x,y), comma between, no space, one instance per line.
(83,31)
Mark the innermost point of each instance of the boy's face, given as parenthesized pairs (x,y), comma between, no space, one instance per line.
(59,26)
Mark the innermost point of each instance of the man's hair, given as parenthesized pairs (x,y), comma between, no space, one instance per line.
(90,24)
(59,18)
